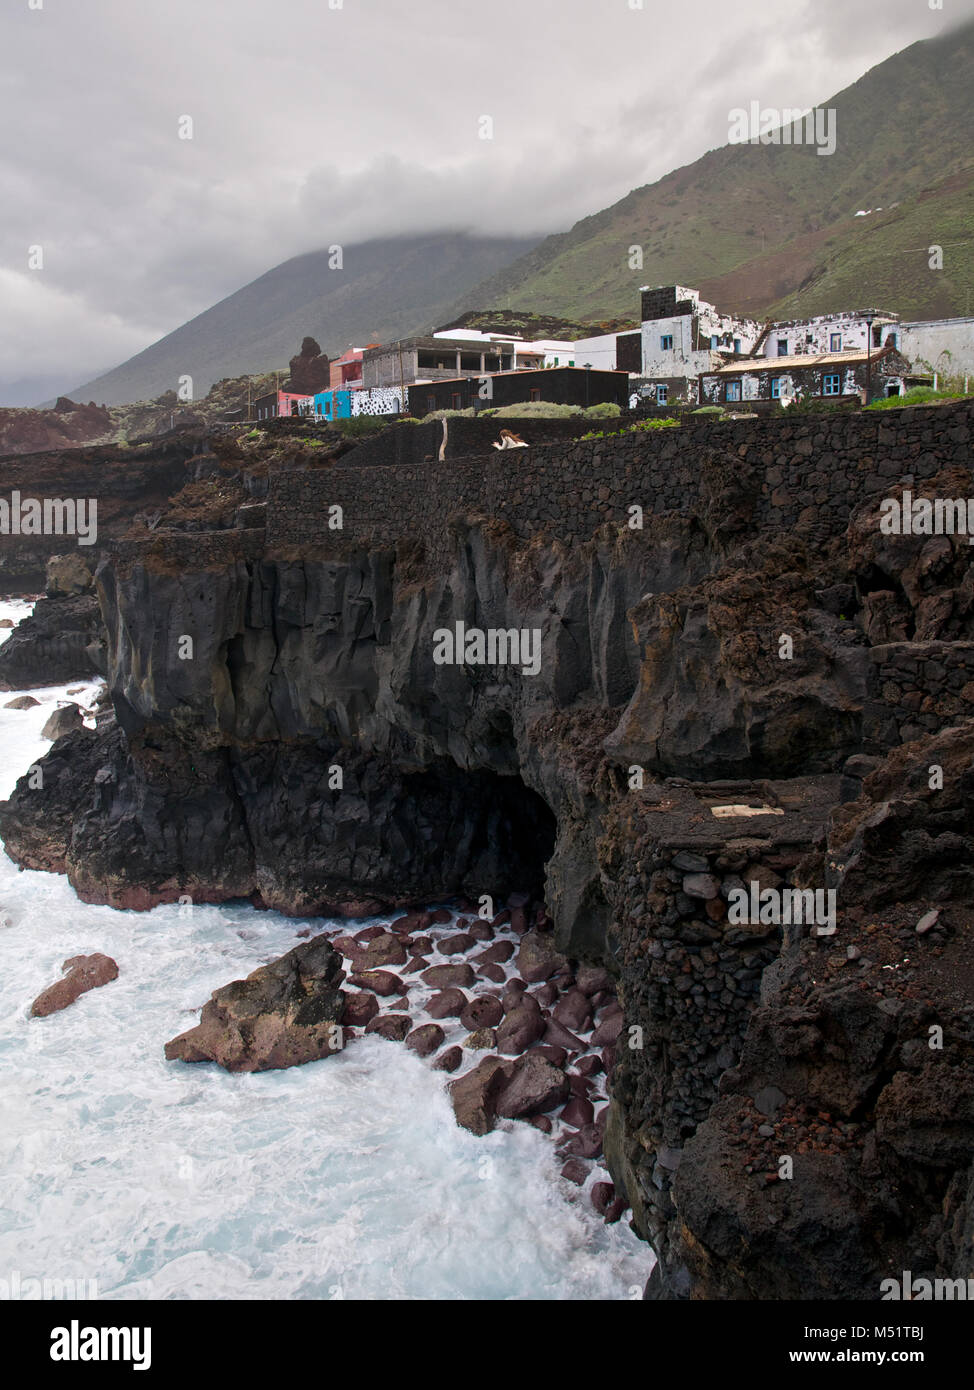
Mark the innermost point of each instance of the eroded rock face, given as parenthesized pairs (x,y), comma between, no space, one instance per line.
(283,1015)
(84,973)
(669,752)
(59,642)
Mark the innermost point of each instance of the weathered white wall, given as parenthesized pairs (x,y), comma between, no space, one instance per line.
(940,345)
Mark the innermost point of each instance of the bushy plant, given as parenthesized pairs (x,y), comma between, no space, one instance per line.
(605,410)
(538,410)
(708,410)
(917,395)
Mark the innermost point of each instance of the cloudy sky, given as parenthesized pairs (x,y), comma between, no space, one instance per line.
(320,121)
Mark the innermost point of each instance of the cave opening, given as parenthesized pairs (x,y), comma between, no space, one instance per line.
(498,835)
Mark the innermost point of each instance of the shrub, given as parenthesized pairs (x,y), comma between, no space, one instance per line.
(708,410)
(538,410)
(606,410)
(919,395)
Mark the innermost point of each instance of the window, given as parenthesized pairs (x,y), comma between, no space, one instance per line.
(893,388)
(782,347)
(714,342)
(737,344)
(832,384)
(457,401)
(835,342)
(733,391)
(666,342)
(430,403)
(775,387)
(877,336)
(662,395)
(535,393)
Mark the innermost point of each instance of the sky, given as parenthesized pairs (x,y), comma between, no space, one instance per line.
(316,122)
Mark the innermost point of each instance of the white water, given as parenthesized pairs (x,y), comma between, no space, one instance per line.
(345,1178)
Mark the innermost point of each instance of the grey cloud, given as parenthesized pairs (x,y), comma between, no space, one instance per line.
(315,125)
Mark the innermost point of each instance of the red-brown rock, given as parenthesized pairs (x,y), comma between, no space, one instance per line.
(534,1085)
(449,1003)
(395,1027)
(84,973)
(449,976)
(360,1008)
(425,1039)
(474,1095)
(449,1060)
(381,982)
(483,1011)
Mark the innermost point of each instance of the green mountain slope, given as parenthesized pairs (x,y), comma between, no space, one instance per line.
(385,289)
(758,226)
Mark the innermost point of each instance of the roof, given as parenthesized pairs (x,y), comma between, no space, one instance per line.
(807,359)
(531,371)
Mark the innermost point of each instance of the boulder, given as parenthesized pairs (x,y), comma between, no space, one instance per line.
(593,979)
(381,950)
(84,973)
(65,720)
(456,945)
(474,1095)
(360,1008)
(578,1112)
(395,1027)
(283,1015)
(573,1011)
(425,1039)
(381,982)
(481,1041)
(483,1011)
(522,1026)
(608,1030)
(493,973)
(537,959)
(22,702)
(575,1171)
(449,1060)
(449,1003)
(534,1085)
(497,954)
(449,976)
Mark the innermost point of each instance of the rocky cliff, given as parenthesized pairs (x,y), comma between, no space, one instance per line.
(793,1109)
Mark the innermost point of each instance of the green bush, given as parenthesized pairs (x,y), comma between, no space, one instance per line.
(467,414)
(538,410)
(708,410)
(919,395)
(605,410)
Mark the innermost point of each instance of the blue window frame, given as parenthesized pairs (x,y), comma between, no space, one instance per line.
(733,391)
(775,387)
(666,342)
(737,344)
(662,395)
(832,384)
(714,342)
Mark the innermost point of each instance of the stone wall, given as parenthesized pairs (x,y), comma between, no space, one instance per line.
(807,473)
(924,687)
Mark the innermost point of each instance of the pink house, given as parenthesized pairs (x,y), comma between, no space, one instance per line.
(283,403)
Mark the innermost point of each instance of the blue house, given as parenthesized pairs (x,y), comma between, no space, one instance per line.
(333,405)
